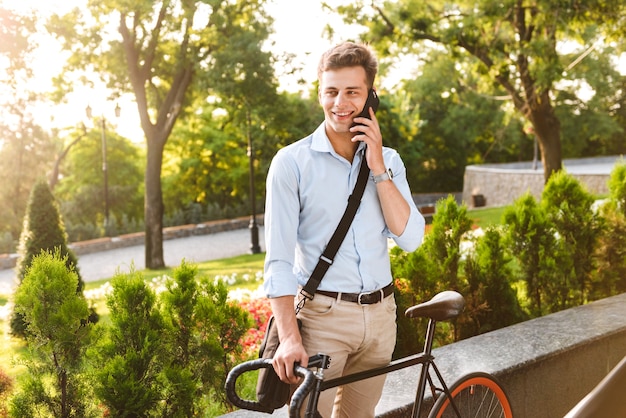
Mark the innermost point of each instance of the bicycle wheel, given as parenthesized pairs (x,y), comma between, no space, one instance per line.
(477,395)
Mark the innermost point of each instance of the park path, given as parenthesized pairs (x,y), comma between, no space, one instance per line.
(195,248)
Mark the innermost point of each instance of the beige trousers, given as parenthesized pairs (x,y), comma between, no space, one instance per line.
(356,337)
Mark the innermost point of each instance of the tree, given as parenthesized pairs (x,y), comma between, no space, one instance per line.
(206,159)
(451,125)
(515,44)
(80,191)
(163,53)
(58,334)
(43,230)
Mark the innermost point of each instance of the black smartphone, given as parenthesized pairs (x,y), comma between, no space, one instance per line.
(372,101)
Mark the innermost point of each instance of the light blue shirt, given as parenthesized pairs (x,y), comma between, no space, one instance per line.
(308,185)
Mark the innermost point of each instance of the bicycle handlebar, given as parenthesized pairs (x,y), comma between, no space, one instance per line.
(296,399)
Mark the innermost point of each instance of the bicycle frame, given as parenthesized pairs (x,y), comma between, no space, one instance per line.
(424,358)
(444,306)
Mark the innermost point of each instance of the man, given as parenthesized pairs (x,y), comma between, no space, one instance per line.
(308,185)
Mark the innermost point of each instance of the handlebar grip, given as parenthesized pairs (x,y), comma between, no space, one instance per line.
(303,390)
(231,380)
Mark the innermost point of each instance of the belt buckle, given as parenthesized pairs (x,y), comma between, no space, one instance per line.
(382,296)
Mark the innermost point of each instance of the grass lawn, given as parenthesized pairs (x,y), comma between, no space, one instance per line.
(236,267)
(485,217)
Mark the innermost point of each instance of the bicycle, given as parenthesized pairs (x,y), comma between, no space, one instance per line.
(476,395)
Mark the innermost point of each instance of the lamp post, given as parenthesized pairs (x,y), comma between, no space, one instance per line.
(254,229)
(105,173)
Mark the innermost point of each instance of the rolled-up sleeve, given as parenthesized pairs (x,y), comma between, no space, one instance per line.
(281,227)
(413,233)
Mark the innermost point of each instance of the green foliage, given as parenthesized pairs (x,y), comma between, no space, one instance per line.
(433,267)
(25,147)
(168,354)
(617,187)
(568,207)
(43,231)
(532,239)
(131,355)
(58,334)
(611,251)
(489,276)
(205,331)
(206,160)
(451,126)
(443,244)
(81,189)
(506,50)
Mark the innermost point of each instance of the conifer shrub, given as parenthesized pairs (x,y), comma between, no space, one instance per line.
(490,278)
(58,333)
(611,252)
(43,230)
(531,239)
(569,209)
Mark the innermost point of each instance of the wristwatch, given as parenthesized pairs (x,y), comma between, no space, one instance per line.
(387,175)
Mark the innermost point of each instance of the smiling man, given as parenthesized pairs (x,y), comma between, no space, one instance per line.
(352,315)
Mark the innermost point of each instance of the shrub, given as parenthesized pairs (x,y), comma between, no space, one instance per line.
(568,208)
(531,238)
(58,334)
(131,354)
(489,276)
(43,231)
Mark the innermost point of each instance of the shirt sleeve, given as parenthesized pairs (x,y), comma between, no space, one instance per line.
(282,210)
(413,233)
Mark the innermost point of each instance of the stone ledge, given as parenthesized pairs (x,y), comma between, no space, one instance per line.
(546,364)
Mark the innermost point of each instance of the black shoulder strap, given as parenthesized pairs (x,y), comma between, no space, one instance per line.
(326,259)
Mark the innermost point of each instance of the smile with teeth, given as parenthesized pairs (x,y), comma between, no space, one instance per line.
(343,114)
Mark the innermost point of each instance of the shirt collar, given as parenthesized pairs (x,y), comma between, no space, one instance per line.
(321,143)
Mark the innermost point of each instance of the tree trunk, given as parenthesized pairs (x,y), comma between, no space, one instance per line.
(548,130)
(153,204)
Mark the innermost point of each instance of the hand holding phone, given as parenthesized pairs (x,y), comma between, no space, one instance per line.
(372,101)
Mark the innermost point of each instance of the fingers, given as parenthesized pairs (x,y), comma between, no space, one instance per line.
(368,130)
(283,364)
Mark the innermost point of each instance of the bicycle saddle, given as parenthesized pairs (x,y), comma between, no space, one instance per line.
(445,305)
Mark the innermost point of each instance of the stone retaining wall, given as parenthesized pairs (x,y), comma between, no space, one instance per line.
(502,184)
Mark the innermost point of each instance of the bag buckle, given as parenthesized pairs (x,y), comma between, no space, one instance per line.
(302,300)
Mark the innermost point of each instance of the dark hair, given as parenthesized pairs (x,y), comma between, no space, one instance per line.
(349,54)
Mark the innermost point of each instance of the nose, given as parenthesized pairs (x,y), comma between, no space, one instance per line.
(340,99)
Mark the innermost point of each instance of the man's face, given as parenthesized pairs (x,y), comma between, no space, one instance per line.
(342,94)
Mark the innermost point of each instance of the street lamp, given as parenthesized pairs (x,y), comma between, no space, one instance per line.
(254,229)
(105,174)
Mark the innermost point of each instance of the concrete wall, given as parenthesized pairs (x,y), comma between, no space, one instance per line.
(502,184)
(547,365)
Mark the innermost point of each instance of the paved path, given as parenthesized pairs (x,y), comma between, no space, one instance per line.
(198,248)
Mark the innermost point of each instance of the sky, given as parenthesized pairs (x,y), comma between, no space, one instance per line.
(298,29)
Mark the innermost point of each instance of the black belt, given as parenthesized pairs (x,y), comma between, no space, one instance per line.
(361,298)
